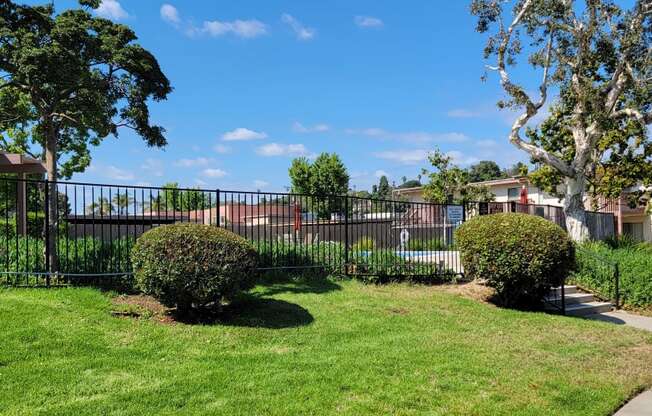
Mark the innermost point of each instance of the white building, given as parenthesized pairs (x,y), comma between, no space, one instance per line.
(633,222)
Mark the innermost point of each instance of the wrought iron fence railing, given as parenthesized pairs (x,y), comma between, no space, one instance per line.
(95,226)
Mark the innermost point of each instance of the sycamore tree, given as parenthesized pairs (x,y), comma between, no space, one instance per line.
(596,58)
(451,184)
(69,80)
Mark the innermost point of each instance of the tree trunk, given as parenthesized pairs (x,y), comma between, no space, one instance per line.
(574,209)
(51,167)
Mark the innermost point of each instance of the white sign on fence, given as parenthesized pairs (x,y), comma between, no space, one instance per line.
(455,214)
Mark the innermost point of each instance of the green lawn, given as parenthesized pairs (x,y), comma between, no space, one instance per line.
(314,347)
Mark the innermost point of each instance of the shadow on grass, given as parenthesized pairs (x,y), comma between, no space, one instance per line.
(277,283)
(258,312)
(252,311)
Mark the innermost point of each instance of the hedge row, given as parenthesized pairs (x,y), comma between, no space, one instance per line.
(635,265)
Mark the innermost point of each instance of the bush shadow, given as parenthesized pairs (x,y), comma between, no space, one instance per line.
(278,283)
(258,312)
(250,311)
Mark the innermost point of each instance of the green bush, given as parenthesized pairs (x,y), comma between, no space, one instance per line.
(635,265)
(321,257)
(193,266)
(521,256)
(434,244)
(364,244)
(82,257)
(385,266)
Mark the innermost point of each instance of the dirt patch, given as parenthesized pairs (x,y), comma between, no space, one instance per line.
(141,307)
(472,290)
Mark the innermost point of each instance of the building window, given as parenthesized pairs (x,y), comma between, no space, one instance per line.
(513,194)
(540,211)
(634,230)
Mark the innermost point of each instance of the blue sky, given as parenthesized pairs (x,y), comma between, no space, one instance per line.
(257,83)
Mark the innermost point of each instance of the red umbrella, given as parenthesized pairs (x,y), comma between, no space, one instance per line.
(524,199)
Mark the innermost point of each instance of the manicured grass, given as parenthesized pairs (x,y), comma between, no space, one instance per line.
(314,347)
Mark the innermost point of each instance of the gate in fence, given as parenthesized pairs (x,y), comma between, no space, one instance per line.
(96,225)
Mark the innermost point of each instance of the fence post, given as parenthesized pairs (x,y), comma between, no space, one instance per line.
(617,278)
(217,209)
(563,297)
(47,233)
(346,235)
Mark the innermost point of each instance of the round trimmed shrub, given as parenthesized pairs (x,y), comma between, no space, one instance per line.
(521,256)
(193,266)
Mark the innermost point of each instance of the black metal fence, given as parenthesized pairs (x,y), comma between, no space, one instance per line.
(96,226)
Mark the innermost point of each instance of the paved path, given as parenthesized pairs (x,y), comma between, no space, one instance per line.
(640,405)
(624,318)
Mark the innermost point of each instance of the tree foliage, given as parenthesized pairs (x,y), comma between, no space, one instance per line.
(598,57)
(325,176)
(449,183)
(485,170)
(70,80)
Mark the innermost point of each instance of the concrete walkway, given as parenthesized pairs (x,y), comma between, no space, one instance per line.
(640,405)
(624,318)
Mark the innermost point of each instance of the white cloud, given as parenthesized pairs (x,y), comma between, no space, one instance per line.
(243,134)
(260,184)
(221,149)
(153,166)
(302,32)
(242,28)
(113,172)
(317,128)
(214,173)
(416,156)
(380,173)
(410,136)
(460,158)
(368,21)
(111,9)
(404,156)
(276,149)
(170,14)
(200,182)
(487,143)
(190,163)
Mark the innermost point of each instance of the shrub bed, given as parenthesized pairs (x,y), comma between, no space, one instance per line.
(193,266)
(635,265)
(521,256)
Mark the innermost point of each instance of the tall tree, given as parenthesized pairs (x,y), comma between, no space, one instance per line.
(326,176)
(485,170)
(598,57)
(79,78)
(450,184)
(383,191)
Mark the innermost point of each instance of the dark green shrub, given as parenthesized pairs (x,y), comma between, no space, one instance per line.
(319,257)
(433,244)
(521,256)
(364,244)
(193,266)
(635,265)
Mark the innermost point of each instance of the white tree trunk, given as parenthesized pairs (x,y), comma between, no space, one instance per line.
(574,209)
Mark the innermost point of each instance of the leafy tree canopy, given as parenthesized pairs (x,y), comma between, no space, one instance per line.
(596,56)
(449,183)
(70,80)
(325,176)
(485,170)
